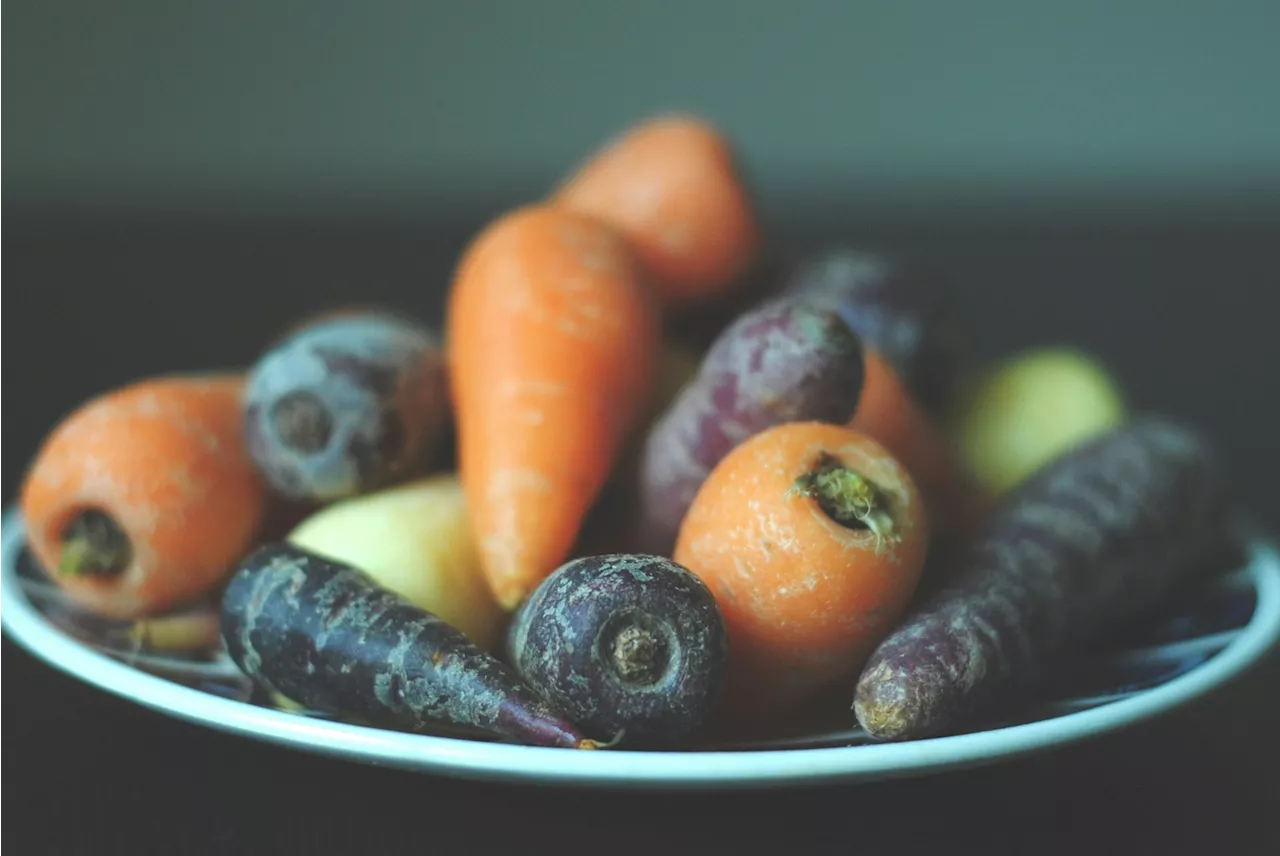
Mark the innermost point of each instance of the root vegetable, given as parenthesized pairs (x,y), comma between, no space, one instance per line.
(346,405)
(144,498)
(630,646)
(812,538)
(785,361)
(1101,534)
(553,344)
(1033,408)
(671,187)
(327,637)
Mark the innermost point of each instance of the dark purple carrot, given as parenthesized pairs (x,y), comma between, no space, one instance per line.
(326,636)
(1099,536)
(629,646)
(785,361)
(893,310)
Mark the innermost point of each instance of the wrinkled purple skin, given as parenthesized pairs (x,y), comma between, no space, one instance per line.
(787,360)
(562,641)
(1101,535)
(326,636)
(383,383)
(893,312)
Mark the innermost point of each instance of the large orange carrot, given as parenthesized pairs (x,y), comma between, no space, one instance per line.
(552,341)
(145,497)
(812,538)
(888,414)
(670,185)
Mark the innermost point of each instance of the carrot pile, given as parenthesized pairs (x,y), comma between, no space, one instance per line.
(793,468)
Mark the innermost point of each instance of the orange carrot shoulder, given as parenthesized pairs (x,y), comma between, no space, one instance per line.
(552,341)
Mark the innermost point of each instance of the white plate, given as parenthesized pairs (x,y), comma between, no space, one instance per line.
(1196,649)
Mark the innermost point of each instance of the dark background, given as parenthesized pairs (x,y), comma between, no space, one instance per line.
(183,184)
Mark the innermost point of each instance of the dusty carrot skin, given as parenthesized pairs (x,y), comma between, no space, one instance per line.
(886,412)
(145,497)
(629,646)
(552,345)
(671,186)
(812,539)
(326,636)
(1101,534)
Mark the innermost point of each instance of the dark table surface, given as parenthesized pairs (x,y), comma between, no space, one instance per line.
(1182,306)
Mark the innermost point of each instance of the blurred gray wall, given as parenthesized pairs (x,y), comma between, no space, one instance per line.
(267,101)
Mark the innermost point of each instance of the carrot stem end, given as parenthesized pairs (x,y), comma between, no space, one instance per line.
(639,657)
(847,497)
(94,545)
(303,422)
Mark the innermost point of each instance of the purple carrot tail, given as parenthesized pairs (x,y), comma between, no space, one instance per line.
(538,726)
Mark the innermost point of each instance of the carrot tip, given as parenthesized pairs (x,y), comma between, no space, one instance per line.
(587,743)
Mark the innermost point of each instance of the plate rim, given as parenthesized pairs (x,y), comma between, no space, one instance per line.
(724,768)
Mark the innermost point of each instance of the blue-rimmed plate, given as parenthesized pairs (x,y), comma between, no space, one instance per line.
(1201,642)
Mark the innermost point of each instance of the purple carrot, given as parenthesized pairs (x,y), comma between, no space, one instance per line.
(785,361)
(326,636)
(896,312)
(1099,536)
(632,647)
(347,405)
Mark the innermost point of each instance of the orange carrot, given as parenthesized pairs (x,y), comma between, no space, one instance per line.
(888,414)
(552,342)
(812,538)
(670,185)
(145,497)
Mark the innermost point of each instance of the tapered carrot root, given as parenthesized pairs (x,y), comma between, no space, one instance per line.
(326,636)
(552,341)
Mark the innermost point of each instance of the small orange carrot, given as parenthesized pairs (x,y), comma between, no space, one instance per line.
(552,341)
(888,414)
(145,497)
(812,538)
(671,187)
